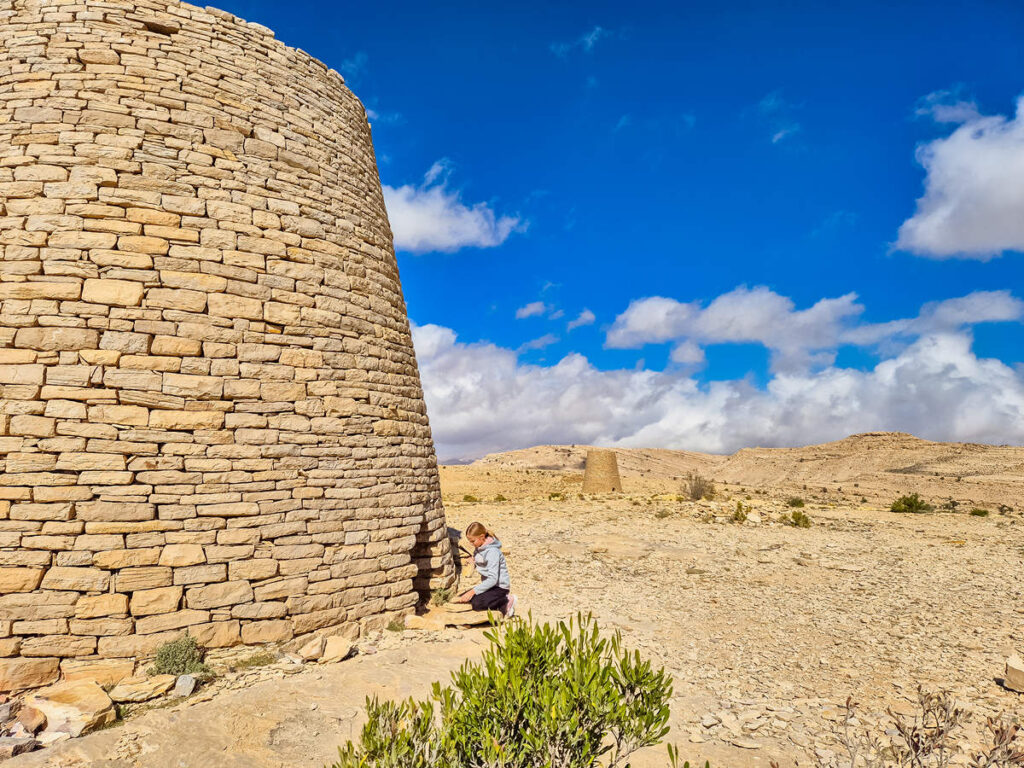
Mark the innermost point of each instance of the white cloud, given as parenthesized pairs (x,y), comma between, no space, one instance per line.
(586,317)
(544,341)
(481,398)
(430,217)
(533,309)
(585,42)
(797,338)
(778,113)
(974,190)
(947,107)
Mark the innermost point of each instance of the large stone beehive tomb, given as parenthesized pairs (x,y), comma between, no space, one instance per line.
(210,414)
(602,472)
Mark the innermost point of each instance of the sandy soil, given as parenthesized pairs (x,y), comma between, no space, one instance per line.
(766,628)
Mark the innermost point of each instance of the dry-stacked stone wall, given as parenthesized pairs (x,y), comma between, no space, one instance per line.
(210,414)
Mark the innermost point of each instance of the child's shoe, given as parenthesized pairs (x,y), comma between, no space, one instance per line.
(510,608)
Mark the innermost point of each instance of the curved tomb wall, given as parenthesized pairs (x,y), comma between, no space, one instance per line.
(210,413)
(602,472)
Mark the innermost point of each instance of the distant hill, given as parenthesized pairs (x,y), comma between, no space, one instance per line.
(880,463)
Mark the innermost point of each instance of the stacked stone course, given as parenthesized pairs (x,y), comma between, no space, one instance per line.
(210,415)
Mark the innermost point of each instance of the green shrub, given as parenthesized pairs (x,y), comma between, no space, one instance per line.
(739,515)
(441,595)
(798,519)
(912,504)
(395,625)
(540,696)
(661,512)
(470,497)
(697,487)
(499,497)
(795,501)
(976,512)
(183,656)
(556,496)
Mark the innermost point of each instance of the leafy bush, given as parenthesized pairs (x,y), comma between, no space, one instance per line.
(500,497)
(697,487)
(540,696)
(912,504)
(556,496)
(976,512)
(798,519)
(470,498)
(795,501)
(661,512)
(183,656)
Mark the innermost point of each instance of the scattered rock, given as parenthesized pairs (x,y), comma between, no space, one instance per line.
(336,648)
(31,719)
(1014,679)
(73,708)
(9,747)
(142,688)
(185,686)
(312,650)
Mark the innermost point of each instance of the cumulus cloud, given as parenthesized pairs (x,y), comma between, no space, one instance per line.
(533,309)
(481,398)
(585,42)
(432,217)
(799,339)
(586,317)
(973,189)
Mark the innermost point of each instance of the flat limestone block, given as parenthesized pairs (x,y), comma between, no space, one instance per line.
(74,708)
(1014,678)
(142,688)
(439,618)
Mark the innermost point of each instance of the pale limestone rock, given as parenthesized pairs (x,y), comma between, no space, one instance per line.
(148,602)
(134,689)
(1014,677)
(20,674)
(74,707)
(336,648)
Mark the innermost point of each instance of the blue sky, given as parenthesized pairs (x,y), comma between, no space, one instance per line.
(681,184)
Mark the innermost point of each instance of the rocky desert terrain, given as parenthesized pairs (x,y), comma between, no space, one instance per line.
(766,627)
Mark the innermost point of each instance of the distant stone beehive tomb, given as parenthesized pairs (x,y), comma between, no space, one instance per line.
(602,472)
(210,414)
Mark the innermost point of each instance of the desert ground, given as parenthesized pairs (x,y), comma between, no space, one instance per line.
(767,628)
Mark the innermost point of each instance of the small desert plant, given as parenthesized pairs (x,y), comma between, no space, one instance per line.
(739,514)
(556,496)
(470,498)
(912,504)
(441,595)
(926,739)
(541,695)
(795,501)
(950,505)
(258,659)
(499,497)
(797,519)
(697,487)
(183,656)
(977,512)
(395,625)
(661,513)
